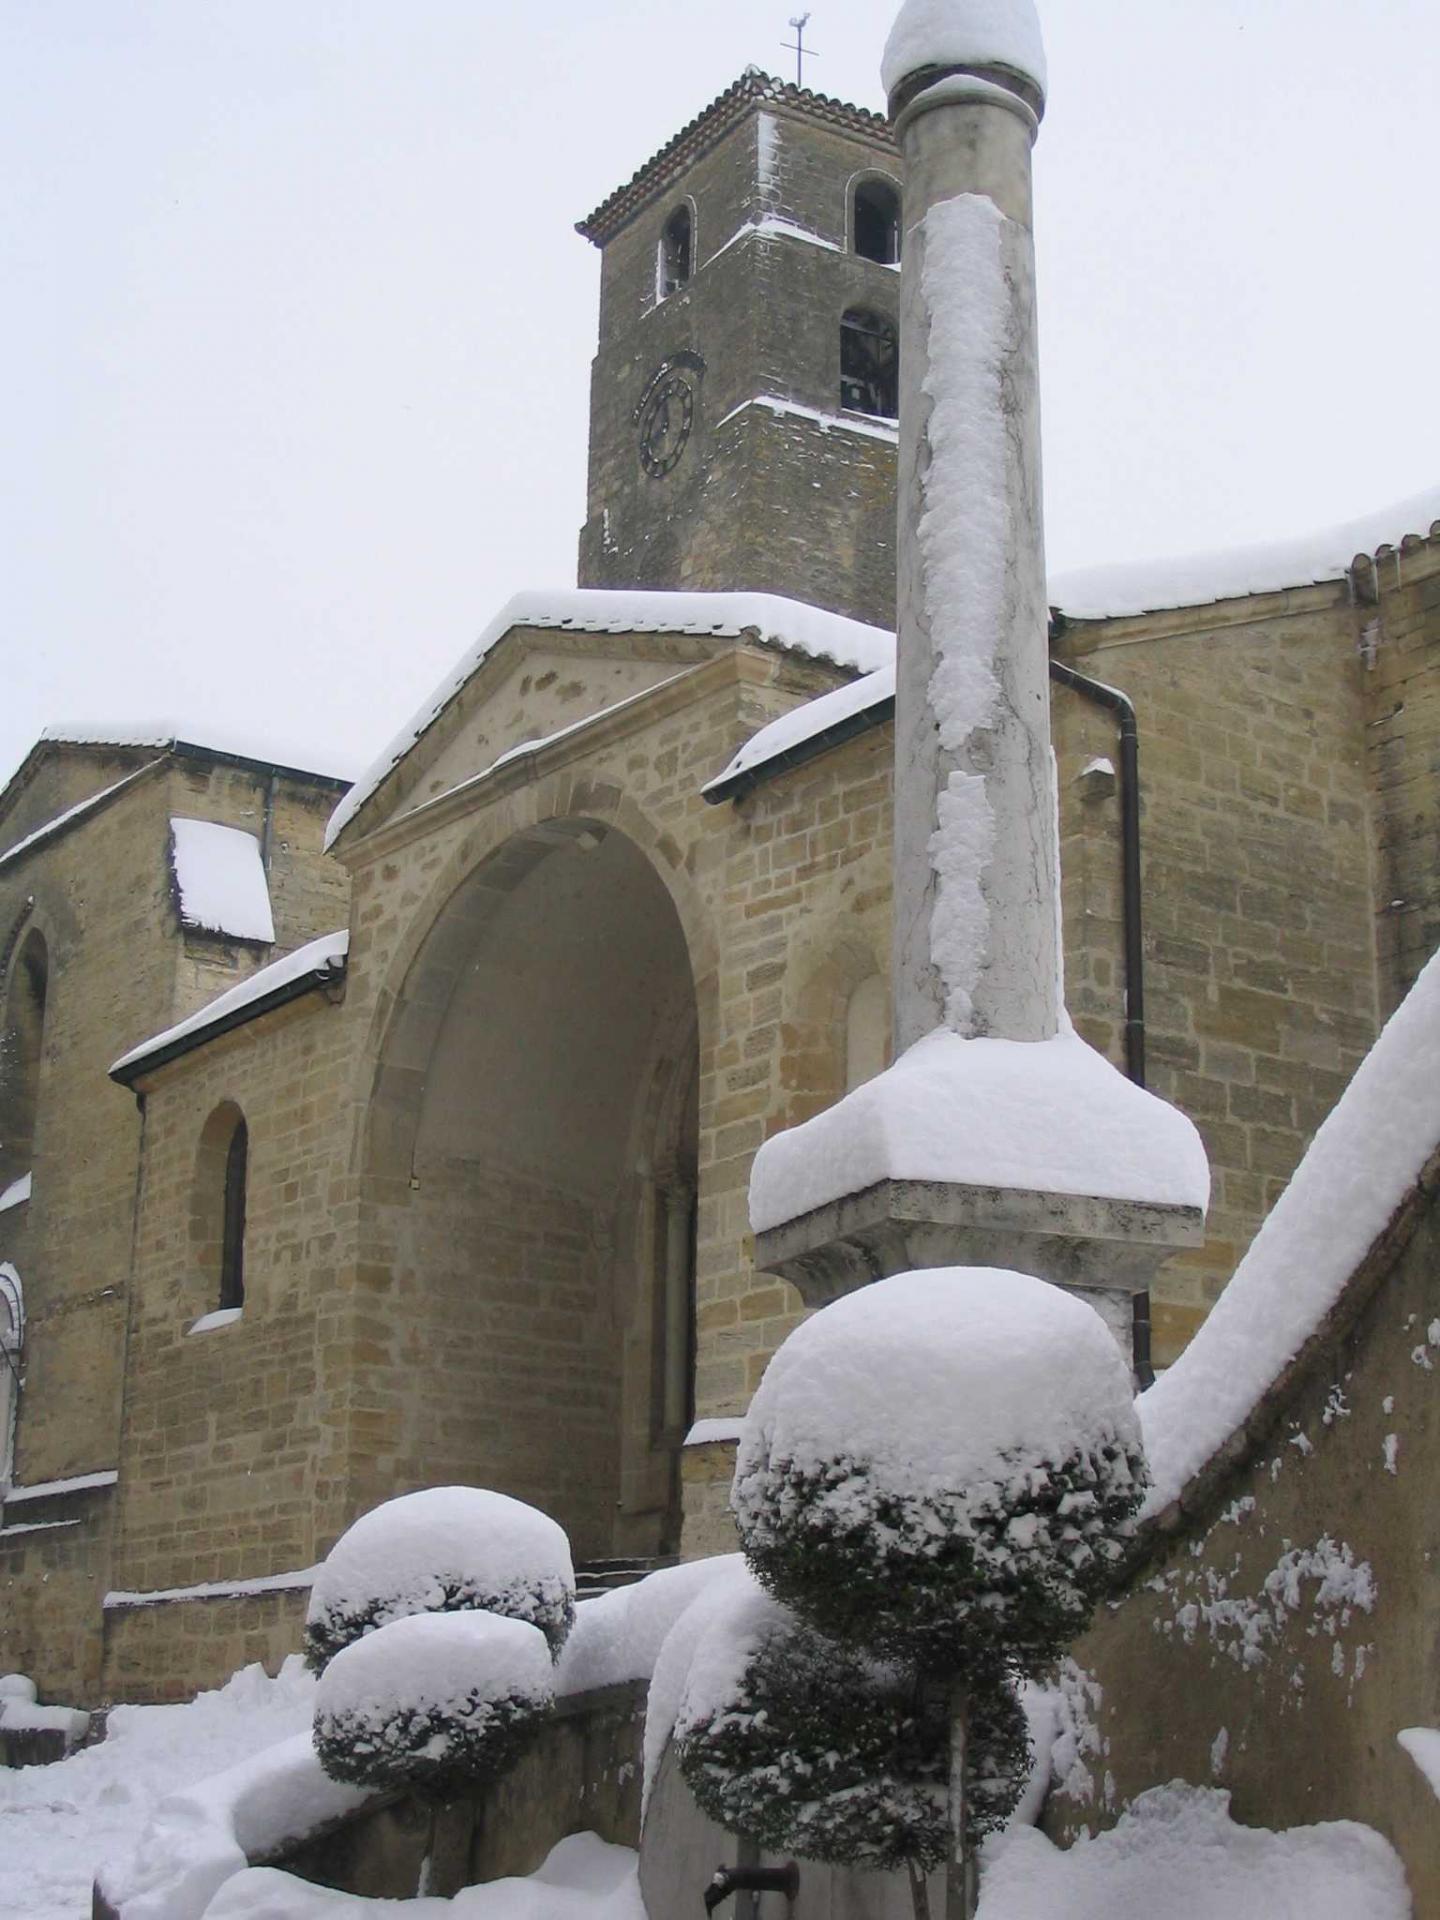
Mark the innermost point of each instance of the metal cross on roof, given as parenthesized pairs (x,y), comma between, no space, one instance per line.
(798,47)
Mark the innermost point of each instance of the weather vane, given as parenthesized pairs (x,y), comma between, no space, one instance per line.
(798,47)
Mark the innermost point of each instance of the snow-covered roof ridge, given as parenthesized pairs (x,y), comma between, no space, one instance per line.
(711,124)
(72,816)
(964,33)
(309,966)
(1361,1166)
(825,718)
(170,735)
(1156,586)
(774,619)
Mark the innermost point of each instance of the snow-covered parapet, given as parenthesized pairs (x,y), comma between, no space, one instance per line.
(944,34)
(1365,1159)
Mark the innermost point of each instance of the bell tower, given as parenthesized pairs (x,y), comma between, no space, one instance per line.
(744,395)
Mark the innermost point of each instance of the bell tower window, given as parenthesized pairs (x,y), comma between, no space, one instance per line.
(875,222)
(869,364)
(676,253)
(232,1240)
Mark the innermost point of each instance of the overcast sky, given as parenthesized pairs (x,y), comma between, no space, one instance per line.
(296,331)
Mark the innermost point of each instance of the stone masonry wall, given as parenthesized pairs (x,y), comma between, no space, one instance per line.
(1260,970)
(1401,643)
(1286,1631)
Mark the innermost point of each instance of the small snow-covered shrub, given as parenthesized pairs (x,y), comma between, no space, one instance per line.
(943,1468)
(808,1747)
(18,1686)
(446,1550)
(433,1702)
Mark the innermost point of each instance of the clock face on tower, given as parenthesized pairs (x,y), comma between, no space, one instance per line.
(665,411)
(666,416)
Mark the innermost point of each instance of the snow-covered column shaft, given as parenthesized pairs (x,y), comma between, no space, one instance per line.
(976,914)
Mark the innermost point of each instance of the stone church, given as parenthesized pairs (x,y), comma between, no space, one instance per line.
(358,1141)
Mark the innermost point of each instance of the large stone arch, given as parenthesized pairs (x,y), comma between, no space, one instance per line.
(527,1172)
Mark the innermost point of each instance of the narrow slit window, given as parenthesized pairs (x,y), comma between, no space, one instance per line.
(676,252)
(877,222)
(232,1242)
(869,365)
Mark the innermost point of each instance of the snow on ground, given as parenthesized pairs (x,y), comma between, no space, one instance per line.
(220,878)
(1177,1853)
(582,1879)
(1360,1166)
(989,1113)
(60,1824)
(964,33)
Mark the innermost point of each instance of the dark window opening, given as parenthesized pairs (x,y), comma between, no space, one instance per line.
(869,365)
(675,252)
(21,1045)
(877,222)
(232,1243)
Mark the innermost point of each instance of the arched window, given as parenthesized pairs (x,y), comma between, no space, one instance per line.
(869,364)
(217,1212)
(232,1243)
(676,253)
(12,1340)
(21,1040)
(875,222)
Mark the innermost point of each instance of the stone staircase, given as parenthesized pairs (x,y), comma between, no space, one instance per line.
(594,1577)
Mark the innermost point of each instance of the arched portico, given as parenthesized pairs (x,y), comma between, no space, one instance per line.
(529,1181)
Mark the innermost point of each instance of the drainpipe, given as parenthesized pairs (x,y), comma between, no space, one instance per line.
(1123,708)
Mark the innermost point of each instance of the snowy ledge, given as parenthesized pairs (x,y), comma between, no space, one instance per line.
(1370,1155)
(320,964)
(717,1432)
(863,424)
(17,1193)
(302,1578)
(56,1489)
(770,617)
(1050,1115)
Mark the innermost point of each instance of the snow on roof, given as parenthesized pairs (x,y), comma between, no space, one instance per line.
(778,621)
(71,815)
(1362,1163)
(1154,586)
(964,33)
(810,721)
(266,751)
(220,880)
(17,1193)
(50,1489)
(324,958)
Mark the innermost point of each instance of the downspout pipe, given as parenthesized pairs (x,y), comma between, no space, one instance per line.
(1121,705)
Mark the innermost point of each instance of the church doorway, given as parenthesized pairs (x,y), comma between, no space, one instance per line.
(541,1080)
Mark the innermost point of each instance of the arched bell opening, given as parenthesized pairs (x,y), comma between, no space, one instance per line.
(531,1174)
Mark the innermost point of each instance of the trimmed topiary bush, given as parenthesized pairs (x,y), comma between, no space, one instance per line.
(446,1550)
(943,1468)
(808,1747)
(433,1703)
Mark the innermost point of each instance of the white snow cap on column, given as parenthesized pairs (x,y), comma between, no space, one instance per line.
(964,33)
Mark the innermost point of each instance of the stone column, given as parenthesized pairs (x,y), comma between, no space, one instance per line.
(997,1138)
(976,913)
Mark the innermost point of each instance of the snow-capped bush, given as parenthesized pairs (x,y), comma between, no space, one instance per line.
(18,1686)
(446,1550)
(808,1747)
(943,1468)
(433,1702)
